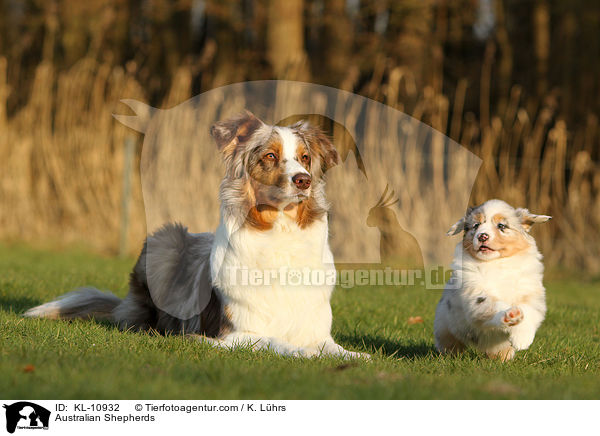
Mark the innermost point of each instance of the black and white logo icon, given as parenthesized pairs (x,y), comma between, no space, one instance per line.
(26,415)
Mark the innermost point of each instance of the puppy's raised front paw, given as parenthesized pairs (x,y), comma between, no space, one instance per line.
(512,316)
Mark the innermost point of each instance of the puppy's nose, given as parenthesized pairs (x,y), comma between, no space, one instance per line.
(301,180)
(483,237)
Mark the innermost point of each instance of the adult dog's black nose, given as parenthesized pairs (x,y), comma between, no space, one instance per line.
(483,237)
(301,180)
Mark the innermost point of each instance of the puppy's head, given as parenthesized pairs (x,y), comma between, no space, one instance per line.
(280,165)
(495,229)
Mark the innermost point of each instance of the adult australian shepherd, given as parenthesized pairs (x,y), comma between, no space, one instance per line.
(495,299)
(273,217)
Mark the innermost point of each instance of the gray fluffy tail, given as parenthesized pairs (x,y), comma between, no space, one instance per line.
(82,303)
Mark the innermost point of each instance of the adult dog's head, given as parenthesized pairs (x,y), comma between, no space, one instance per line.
(495,229)
(272,168)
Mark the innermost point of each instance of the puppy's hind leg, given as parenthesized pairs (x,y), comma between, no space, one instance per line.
(447,343)
(503,353)
(445,315)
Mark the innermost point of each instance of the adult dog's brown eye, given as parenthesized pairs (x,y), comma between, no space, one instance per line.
(270,156)
(502,226)
(305,158)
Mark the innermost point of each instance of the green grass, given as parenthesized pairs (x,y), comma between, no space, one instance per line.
(91,360)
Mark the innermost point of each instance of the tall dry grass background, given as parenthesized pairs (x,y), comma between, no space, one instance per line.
(62,161)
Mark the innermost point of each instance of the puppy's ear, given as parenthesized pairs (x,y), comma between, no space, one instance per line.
(318,143)
(459,225)
(228,134)
(528,219)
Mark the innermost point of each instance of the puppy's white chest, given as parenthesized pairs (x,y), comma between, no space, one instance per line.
(497,283)
(509,280)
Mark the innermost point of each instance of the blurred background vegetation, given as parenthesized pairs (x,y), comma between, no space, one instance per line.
(516,82)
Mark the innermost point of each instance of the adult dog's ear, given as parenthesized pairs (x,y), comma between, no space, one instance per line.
(459,225)
(319,144)
(327,151)
(231,136)
(228,134)
(528,219)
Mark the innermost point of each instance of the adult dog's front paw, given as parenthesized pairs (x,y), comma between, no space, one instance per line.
(334,349)
(306,352)
(357,355)
(512,316)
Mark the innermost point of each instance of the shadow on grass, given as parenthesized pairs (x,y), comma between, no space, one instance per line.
(387,347)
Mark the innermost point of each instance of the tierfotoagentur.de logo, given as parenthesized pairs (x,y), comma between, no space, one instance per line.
(24,415)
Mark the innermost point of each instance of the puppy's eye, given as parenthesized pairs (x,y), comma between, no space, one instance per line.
(305,158)
(502,226)
(270,156)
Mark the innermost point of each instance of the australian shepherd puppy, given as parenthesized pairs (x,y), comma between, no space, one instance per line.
(273,220)
(495,299)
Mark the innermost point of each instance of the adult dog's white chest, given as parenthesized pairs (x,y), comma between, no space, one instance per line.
(276,283)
